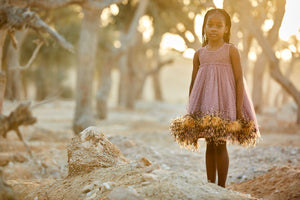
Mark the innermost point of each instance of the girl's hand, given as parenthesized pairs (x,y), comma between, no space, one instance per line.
(239,115)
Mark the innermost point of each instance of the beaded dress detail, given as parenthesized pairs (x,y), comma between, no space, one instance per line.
(211,111)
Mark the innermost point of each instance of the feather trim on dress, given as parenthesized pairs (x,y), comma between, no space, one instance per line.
(188,129)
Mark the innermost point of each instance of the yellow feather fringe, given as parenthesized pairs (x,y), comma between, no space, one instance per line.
(189,128)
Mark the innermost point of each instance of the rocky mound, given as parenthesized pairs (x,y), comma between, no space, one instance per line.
(278,183)
(92,150)
(98,170)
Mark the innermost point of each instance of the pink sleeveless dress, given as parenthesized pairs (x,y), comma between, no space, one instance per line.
(211,112)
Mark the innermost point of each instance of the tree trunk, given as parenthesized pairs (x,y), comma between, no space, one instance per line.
(2,74)
(138,64)
(124,81)
(104,88)
(258,75)
(42,89)
(244,54)
(157,87)
(14,85)
(126,92)
(272,37)
(268,91)
(155,77)
(288,73)
(274,64)
(298,115)
(87,50)
(140,88)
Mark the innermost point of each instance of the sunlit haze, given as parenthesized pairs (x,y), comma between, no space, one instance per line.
(290,26)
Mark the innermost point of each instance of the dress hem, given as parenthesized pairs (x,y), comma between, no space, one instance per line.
(188,129)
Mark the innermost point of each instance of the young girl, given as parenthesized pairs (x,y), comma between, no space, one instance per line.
(219,108)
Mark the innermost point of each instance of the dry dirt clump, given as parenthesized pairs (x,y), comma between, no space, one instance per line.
(91,149)
(278,183)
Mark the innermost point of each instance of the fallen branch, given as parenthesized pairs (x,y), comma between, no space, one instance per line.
(47,100)
(21,116)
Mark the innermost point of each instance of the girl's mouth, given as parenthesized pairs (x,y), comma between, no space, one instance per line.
(213,35)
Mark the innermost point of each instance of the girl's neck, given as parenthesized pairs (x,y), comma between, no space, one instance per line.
(214,45)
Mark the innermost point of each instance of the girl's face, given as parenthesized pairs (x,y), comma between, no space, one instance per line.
(215,27)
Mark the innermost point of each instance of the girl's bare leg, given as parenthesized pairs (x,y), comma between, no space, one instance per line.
(211,164)
(222,163)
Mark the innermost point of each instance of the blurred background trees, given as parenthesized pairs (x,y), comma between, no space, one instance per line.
(126,37)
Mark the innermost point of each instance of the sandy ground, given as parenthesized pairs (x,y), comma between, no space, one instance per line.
(144,133)
(271,170)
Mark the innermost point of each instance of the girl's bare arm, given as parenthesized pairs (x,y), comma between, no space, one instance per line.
(238,76)
(196,64)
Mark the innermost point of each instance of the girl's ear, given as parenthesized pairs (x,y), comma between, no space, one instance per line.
(226,29)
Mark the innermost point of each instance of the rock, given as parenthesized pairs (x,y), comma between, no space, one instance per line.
(123,193)
(6,192)
(145,183)
(145,161)
(129,143)
(152,168)
(87,189)
(5,158)
(149,177)
(108,185)
(90,150)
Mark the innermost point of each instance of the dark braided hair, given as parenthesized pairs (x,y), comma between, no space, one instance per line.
(227,23)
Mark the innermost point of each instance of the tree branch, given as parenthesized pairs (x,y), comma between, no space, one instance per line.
(32,58)
(41,25)
(54,4)
(19,18)
(99,5)
(159,66)
(274,62)
(128,39)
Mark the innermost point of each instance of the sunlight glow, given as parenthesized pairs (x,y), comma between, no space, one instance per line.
(290,26)
(278,54)
(267,25)
(186,2)
(145,27)
(180,27)
(290,23)
(189,36)
(286,54)
(293,48)
(114,9)
(105,17)
(172,41)
(189,53)
(198,25)
(252,56)
(218,3)
(191,15)
(117,44)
